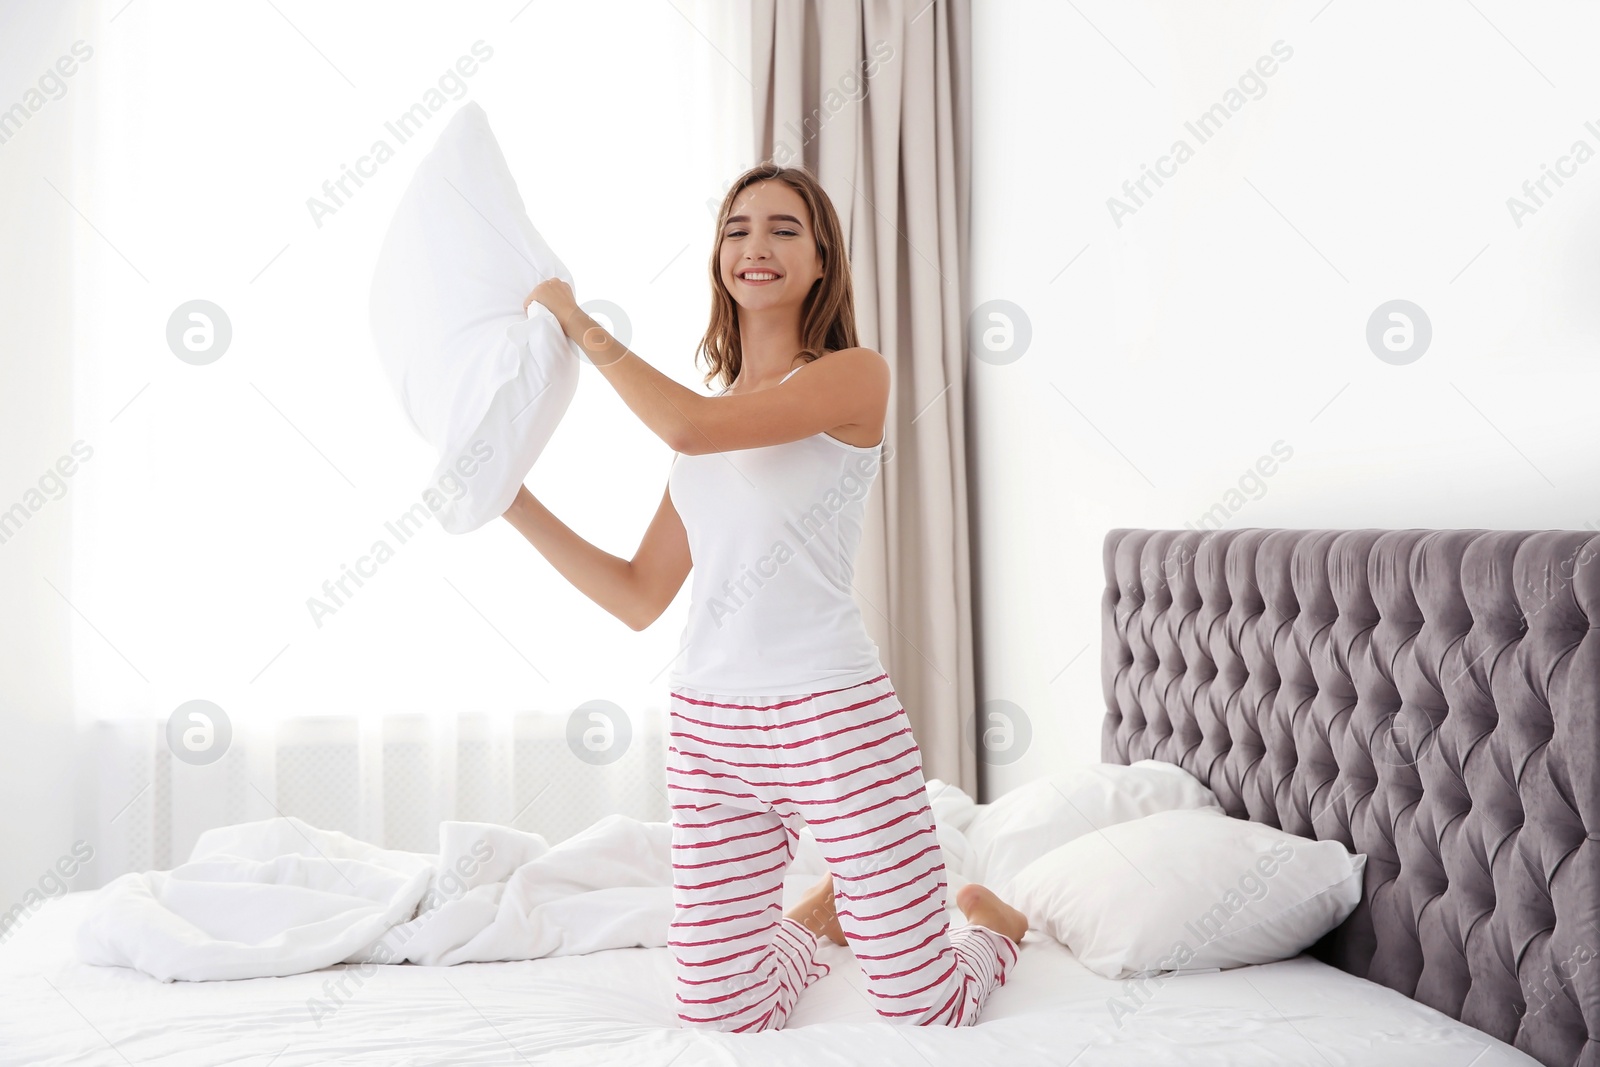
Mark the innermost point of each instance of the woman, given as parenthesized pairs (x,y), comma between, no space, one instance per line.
(781,714)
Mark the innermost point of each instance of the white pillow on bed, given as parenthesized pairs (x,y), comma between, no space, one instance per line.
(1020,826)
(1188,890)
(480,379)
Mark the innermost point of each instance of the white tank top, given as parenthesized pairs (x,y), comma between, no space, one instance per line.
(773,533)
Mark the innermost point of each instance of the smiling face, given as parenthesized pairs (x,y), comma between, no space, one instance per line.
(769,233)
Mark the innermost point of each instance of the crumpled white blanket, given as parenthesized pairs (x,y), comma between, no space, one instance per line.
(281,896)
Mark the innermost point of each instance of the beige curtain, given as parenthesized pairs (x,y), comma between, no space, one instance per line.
(874,97)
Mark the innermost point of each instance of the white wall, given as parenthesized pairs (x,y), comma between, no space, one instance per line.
(36,765)
(1229,311)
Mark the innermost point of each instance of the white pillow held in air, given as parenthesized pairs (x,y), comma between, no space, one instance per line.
(480,379)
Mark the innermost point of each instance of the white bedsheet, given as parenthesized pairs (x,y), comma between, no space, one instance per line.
(279,896)
(614,1007)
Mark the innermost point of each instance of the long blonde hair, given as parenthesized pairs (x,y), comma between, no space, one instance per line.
(828,316)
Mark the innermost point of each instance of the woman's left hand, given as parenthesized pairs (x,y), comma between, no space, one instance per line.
(555,295)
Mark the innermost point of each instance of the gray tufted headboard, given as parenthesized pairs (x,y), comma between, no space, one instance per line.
(1428,697)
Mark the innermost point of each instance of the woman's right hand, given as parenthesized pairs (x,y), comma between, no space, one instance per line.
(556,295)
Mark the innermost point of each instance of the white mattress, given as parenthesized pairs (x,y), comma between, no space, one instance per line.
(615,1008)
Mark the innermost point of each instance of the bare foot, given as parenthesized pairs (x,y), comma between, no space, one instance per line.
(816,912)
(983,908)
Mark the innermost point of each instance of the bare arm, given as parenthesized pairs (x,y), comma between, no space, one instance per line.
(849,387)
(846,388)
(636,591)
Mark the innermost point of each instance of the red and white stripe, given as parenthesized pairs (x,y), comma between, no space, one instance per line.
(743,775)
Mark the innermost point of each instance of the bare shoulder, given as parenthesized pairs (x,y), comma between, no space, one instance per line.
(861,364)
(863,377)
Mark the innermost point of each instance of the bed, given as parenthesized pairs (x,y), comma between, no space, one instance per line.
(1430,698)
(1190,642)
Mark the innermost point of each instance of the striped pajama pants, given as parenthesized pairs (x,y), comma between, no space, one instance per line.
(743,774)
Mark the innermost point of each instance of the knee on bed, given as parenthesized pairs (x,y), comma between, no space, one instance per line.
(707,1007)
(944,1004)
(726,1026)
